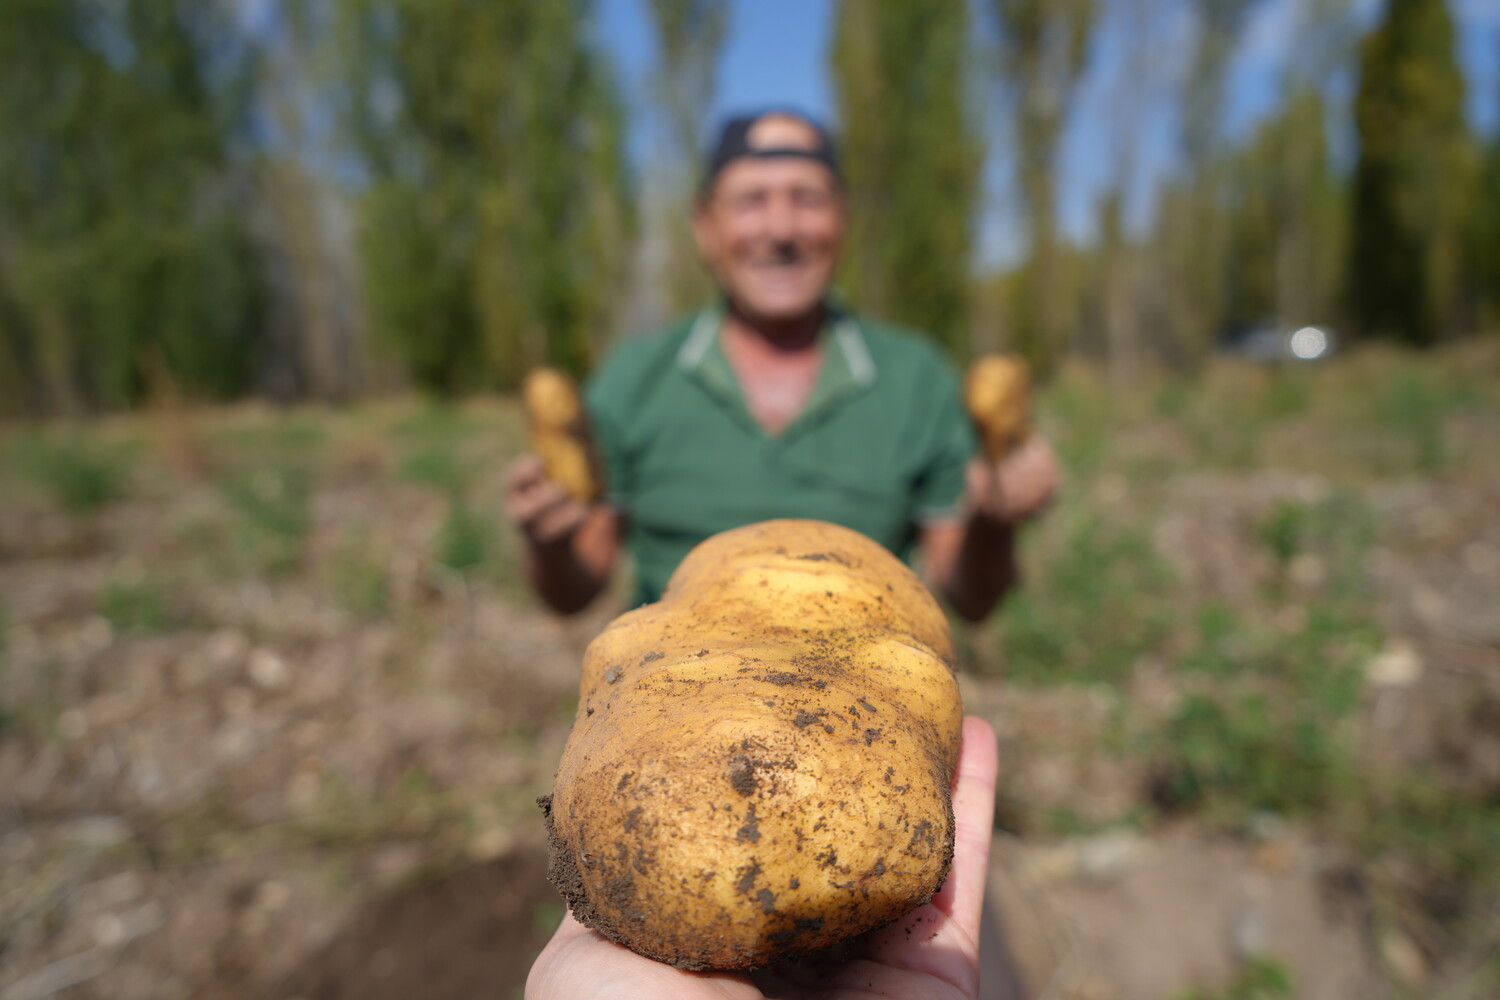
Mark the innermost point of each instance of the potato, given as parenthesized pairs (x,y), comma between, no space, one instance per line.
(559,432)
(997,394)
(760,764)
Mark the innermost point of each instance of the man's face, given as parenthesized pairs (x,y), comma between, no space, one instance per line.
(771,230)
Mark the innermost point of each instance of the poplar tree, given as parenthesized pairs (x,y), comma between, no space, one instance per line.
(689,34)
(1413,181)
(125,254)
(910,160)
(496,212)
(1043,50)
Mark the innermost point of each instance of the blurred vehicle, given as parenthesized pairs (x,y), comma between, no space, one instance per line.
(1274,343)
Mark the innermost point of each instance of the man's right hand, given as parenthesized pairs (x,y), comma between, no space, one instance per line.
(545,512)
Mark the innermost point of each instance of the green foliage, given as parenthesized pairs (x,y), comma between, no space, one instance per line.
(1260,978)
(1232,756)
(358,578)
(465,540)
(79,473)
(1284,531)
(911,162)
(495,218)
(1090,608)
(136,605)
(690,34)
(128,264)
(1448,840)
(1413,185)
(1044,47)
(437,466)
(274,504)
(1414,409)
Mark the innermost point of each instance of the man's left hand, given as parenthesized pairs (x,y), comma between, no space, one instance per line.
(1019,486)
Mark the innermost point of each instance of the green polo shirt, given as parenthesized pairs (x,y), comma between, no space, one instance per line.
(880,447)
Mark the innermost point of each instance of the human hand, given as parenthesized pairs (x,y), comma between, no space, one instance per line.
(931,953)
(1018,486)
(546,513)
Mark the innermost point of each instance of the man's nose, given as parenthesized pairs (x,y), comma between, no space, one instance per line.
(781,220)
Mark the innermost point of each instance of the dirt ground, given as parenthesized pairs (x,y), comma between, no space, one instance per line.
(265,795)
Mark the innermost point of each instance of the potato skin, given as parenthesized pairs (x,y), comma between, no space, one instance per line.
(760,764)
(997,395)
(559,432)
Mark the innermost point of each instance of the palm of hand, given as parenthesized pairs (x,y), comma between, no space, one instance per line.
(931,953)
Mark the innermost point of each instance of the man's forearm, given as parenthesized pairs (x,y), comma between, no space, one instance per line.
(563,581)
(568,572)
(983,568)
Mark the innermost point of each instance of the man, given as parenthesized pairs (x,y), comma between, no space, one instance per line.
(776,403)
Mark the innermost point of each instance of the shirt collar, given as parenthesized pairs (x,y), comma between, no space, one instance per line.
(848,366)
(841,330)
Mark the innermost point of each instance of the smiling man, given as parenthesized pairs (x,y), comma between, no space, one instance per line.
(774,402)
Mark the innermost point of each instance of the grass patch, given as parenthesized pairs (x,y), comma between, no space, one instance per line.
(1413,409)
(358,578)
(80,474)
(1260,978)
(136,605)
(465,541)
(274,508)
(1230,757)
(438,466)
(1091,607)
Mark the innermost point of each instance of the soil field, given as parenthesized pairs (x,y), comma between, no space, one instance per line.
(275,709)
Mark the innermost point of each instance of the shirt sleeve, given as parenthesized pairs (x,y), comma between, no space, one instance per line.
(950,444)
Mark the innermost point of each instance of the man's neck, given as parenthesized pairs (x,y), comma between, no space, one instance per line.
(777,365)
(778,337)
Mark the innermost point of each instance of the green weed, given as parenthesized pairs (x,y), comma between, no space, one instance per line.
(1089,610)
(465,540)
(1289,394)
(274,504)
(1444,842)
(1233,756)
(1222,646)
(137,605)
(79,474)
(358,579)
(1414,409)
(1285,531)
(279,441)
(439,466)
(1260,978)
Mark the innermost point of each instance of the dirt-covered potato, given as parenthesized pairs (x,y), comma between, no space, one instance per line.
(559,432)
(761,761)
(997,394)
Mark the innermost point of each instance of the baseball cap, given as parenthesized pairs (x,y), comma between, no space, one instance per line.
(771,133)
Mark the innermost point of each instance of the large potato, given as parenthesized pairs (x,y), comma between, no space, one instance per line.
(997,394)
(761,761)
(559,432)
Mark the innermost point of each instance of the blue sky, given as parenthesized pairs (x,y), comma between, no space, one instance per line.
(776,53)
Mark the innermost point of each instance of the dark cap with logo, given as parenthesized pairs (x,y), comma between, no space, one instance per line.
(769,134)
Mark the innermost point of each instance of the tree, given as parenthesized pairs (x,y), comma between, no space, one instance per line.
(910,162)
(496,208)
(1043,50)
(1413,180)
(125,254)
(689,36)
